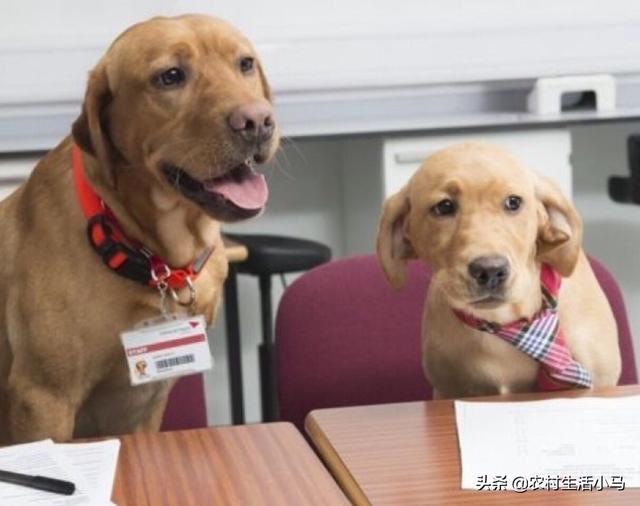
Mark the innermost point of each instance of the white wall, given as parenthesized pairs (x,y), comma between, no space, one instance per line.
(334,44)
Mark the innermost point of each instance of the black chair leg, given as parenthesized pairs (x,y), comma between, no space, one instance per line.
(267,354)
(234,355)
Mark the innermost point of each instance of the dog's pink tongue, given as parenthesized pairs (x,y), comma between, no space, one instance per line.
(250,192)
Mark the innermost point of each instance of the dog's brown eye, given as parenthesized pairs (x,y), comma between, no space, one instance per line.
(512,203)
(246,64)
(171,78)
(446,207)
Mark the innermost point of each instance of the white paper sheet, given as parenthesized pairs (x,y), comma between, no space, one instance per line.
(42,459)
(97,464)
(90,466)
(582,442)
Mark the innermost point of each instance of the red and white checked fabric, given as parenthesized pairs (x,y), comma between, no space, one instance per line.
(541,338)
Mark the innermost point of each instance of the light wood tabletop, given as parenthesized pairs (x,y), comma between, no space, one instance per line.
(407,454)
(261,464)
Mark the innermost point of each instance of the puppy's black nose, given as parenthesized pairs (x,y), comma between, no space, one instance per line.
(489,272)
(253,122)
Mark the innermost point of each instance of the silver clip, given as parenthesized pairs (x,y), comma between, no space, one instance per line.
(162,287)
(193,295)
(163,276)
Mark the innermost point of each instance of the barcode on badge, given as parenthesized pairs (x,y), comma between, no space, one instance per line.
(174,361)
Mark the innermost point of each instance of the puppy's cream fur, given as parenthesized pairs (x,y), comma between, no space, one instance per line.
(461,361)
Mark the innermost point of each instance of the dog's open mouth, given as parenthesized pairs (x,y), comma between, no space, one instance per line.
(238,194)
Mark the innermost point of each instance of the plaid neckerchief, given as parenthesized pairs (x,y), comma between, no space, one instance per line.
(541,338)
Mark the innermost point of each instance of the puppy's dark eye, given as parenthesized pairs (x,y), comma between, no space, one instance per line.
(247,64)
(512,203)
(446,207)
(171,78)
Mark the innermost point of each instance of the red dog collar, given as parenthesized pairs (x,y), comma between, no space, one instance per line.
(106,237)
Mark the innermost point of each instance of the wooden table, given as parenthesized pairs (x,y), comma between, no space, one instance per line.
(408,454)
(252,465)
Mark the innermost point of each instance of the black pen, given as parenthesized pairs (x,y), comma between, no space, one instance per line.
(39,482)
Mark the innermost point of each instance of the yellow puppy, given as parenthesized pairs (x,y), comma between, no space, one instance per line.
(486,225)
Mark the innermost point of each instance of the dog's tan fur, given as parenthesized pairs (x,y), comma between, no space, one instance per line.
(461,361)
(62,368)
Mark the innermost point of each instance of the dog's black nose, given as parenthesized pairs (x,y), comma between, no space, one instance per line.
(253,122)
(489,272)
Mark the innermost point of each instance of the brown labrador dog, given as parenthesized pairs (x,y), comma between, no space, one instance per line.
(486,224)
(174,114)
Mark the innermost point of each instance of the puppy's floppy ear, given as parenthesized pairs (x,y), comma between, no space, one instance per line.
(88,130)
(266,89)
(559,228)
(392,246)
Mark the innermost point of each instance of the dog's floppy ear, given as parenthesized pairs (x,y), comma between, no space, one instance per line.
(392,246)
(88,130)
(559,228)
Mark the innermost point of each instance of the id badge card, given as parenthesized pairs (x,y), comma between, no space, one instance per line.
(164,349)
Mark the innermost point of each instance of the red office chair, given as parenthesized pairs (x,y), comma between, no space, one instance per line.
(344,337)
(186,408)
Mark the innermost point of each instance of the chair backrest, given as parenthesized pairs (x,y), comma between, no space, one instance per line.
(186,407)
(629,375)
(344,337)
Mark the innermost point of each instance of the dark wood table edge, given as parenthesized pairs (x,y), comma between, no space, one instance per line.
(339,471)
